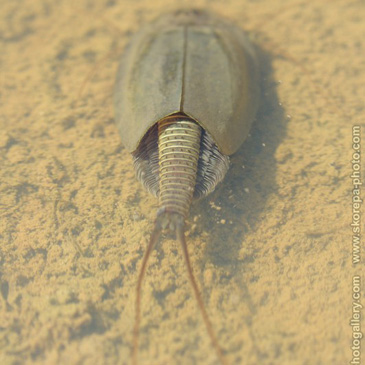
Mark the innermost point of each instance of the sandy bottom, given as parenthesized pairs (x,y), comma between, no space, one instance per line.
(271,247)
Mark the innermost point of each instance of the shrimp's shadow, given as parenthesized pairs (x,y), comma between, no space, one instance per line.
(236,205)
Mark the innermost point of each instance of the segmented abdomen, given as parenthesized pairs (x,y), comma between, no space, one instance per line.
(179,148)
(178,161)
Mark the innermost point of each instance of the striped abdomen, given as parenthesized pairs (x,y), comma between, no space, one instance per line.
(178,161)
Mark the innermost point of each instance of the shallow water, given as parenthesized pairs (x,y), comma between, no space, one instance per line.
(271,247)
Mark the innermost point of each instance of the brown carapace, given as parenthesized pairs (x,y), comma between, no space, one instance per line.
(185,98)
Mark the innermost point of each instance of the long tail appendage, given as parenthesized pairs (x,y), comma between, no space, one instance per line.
(153,240)
(181,237)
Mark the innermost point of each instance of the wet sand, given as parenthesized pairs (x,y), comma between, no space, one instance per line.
(271,247)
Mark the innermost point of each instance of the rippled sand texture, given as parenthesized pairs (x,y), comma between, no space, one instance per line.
(271,247)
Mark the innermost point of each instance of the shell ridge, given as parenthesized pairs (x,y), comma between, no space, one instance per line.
(183,69)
